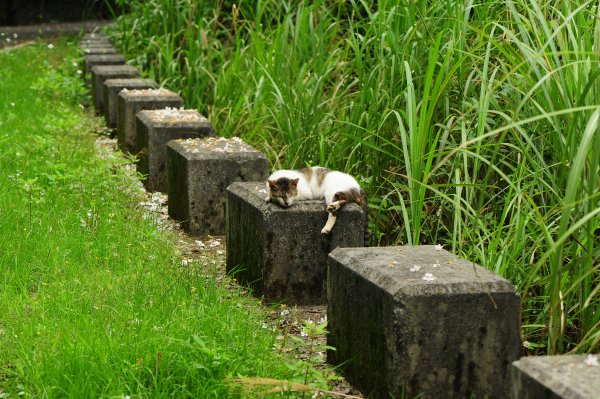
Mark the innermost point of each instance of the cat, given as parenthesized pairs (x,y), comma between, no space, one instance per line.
(284,187)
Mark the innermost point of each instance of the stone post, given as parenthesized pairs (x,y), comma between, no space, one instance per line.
(199,172)
(154,129)
(130,102)
(408,321)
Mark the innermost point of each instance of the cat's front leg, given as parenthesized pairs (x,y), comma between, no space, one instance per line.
(332,209)
(329,225)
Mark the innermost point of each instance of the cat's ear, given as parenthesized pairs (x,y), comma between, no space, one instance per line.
(294,182)
(272,184)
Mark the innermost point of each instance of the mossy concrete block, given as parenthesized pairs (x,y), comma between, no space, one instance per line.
(100,73)
(568,377)
(112,88)
(199,171)
(157,127)
(408,321)
(101,59)
(281,253)
(130,102)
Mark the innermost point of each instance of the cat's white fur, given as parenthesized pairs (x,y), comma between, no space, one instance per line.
(333,182)
(311,189)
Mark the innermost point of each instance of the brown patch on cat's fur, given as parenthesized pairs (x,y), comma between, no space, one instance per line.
(355,196)
(319,172)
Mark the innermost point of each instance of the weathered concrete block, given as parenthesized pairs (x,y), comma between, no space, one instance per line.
(568,377)
(100,73)
(112,88)
(130,102)
(199,171)
(281,253)
(420,320)
(154,129)
(102,59)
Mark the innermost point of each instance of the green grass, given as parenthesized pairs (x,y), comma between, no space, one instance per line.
(94,298)
(470,124)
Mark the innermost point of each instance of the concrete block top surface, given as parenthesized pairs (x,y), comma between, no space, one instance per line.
(130,82)
(174,117)
(104,57)
(94,35)
(416,270)
(566,376)
(108,70)
(216,148)
(100,50)
(147,94)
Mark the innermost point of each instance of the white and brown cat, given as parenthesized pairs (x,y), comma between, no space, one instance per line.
(337,188)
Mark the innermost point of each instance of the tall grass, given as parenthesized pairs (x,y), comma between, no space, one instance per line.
(94,298)
(472,124)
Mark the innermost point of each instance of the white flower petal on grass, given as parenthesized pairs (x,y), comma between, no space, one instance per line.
(51,46)
(438,247)
(591,360)
(199,243)
(415,268)
(525,344)
(428,277)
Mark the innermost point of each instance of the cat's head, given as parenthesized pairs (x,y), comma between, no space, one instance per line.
(283,191)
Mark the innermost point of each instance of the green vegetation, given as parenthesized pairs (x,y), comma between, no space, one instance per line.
(474,125)
(94,299)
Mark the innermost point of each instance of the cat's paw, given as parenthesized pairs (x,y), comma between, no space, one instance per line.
(325,231)
(335,206)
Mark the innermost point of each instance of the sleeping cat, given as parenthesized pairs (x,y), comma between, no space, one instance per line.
(337,188)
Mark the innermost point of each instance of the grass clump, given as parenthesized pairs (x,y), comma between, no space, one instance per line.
(474,125)
(95,299)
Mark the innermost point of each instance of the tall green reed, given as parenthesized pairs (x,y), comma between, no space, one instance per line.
(470,124)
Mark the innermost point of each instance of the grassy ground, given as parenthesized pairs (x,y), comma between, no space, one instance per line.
(471,124)
(94,298)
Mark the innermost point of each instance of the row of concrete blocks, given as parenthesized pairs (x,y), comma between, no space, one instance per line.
(403,320)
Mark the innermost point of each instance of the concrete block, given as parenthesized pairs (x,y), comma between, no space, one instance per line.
(199,171)
(100,73)
(281,253)
(572,377)
(102,59)
(112,88)
(408,321)
(130,102)
(157,127)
